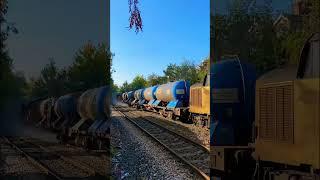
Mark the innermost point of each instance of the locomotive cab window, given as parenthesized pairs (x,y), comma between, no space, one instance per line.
(309,66)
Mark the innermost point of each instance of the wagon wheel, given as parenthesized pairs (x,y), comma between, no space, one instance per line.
(99,144)
(58,137)
(170,116)
(94,142)
(175,118)
(84,141)
(76,140)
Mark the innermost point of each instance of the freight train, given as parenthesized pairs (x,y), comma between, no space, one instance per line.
(81,117)
(268,128)
(175,100)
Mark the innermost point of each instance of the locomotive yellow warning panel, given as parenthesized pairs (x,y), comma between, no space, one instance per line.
(288,112)
(200,100)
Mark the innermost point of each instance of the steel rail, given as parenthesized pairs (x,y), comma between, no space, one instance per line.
(43,166)
(196,169)
(80,165)
(175,133)
(36,162)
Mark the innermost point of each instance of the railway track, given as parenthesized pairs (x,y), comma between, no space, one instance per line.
(56,166)
(196,156)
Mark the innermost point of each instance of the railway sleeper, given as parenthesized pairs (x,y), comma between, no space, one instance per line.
(190,155)
(156,132)
(184,149)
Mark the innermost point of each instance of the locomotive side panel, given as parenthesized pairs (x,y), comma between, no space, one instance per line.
(200,100)
(288,124)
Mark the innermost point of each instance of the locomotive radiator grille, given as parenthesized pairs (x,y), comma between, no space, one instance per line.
(196,97)
(276,113)
(284,114)
(266,124)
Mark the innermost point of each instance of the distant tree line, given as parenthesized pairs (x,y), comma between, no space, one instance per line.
(185,71)
(247,30)
(90,69)
(11,83)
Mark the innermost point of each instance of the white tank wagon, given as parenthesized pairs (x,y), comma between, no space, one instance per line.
(124,96)
(94,110)
(32,111)
(66,111)
(46,112)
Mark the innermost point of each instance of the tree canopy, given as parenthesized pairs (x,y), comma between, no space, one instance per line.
(90,69)
(12,83)
(247,30)
(186,70)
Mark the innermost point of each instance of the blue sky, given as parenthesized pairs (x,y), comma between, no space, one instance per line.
(173,31)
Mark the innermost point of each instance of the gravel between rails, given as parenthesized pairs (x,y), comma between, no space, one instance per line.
(138,156)
(13,163)
(100,162)
(195,133)
(53,161)
(190,151)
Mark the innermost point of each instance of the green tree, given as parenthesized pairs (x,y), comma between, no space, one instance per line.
(246,31)
(138,82)
(91,68)
(51,82)
(204,69)
(11,83)
(115,88)
(311,21)
(125,87)
(154,79)
(288,46)
(185,71)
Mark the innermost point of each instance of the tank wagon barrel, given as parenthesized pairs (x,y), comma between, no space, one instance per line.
(130,96)
(94,110)
(232,101)
(138,98)
(124,96)
(173,94)
(149,94)
(138,94)
(171,99)
(66,112)
(232,89)
(32,110)
(46,112)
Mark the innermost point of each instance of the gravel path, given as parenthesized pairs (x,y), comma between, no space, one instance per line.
(136,155)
